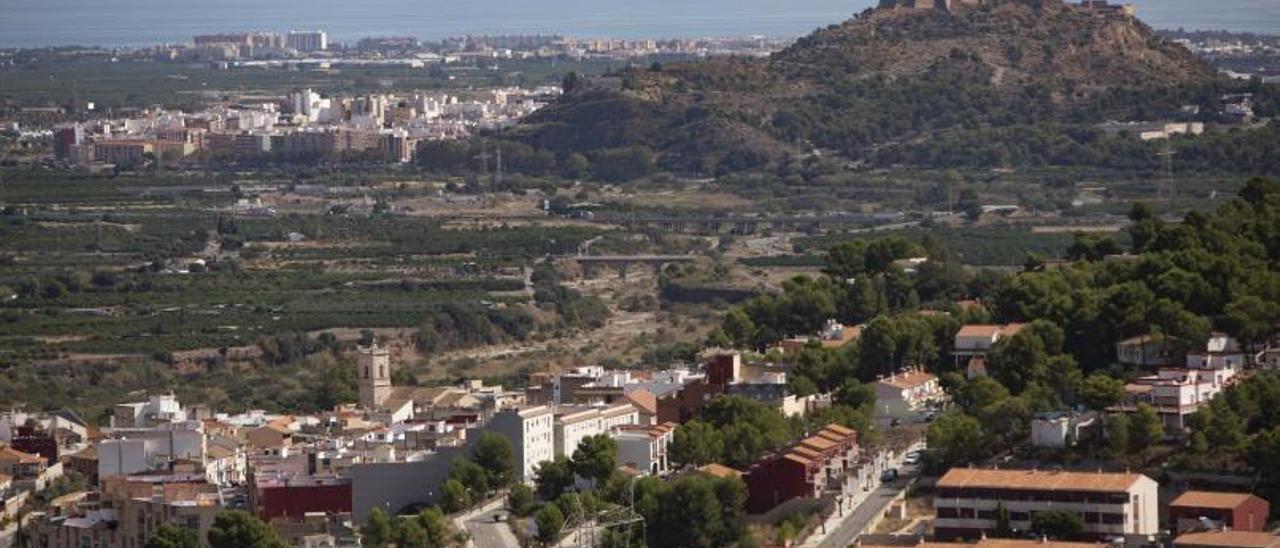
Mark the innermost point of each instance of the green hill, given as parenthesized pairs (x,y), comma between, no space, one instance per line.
(890,76)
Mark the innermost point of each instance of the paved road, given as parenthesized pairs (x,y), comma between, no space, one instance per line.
(874,505)
(485,533)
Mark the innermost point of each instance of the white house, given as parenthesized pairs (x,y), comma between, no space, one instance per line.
(644,448)
(902,394)
(156,410)
(1174,393)
(978,339)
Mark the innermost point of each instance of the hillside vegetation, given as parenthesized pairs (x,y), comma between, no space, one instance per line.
(889,79)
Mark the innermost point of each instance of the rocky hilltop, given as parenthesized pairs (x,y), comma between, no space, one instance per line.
(901,71)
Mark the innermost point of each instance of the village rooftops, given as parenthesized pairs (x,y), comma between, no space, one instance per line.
(531,411)
(1233,539)
(9,453)
(996,543)
(1210,499)
(644,400)
(1037,480)
(645,431)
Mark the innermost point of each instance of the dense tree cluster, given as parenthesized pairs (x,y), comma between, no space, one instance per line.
(427,529)
(734,431)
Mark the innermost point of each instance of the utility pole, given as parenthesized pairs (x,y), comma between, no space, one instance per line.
(1170,188)
(497,172)
(484,161)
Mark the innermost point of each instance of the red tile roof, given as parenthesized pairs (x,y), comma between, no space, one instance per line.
(1211,499)
(1039,480)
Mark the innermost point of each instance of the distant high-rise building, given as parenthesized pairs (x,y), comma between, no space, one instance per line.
(307,41)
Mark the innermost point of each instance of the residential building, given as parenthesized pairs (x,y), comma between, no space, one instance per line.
(1150,351)
(905,394)
(644,448)
(1057,430)
(157,410)
(129,516)
(133,451)
(1221,353)
(832,335)
(1227,539)
(574,423)
(1173,393)
(19,465)
(122,152)
(977,340)
(294,497)
(307,41)
(808,469)
(1231,511)
(36,440)
(531,431)
(394,486)
(1110,505)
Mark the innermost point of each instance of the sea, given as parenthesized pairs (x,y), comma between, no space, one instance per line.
(130,23)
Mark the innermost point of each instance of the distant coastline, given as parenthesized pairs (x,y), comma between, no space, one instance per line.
(139,23)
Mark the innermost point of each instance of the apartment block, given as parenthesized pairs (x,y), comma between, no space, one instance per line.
(1110,504)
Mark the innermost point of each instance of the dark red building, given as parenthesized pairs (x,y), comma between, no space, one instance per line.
(805,470)
(683,405)
(36,442)
(295,497)
(724,369)
(1237,511)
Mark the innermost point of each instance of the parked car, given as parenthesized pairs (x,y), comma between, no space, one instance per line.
(912,458)
(889,475)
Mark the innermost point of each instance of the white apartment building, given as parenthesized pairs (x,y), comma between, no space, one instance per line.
(531,431)
(307,41)
(157,410)
(142,450)
(575,423)
(1111,505)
